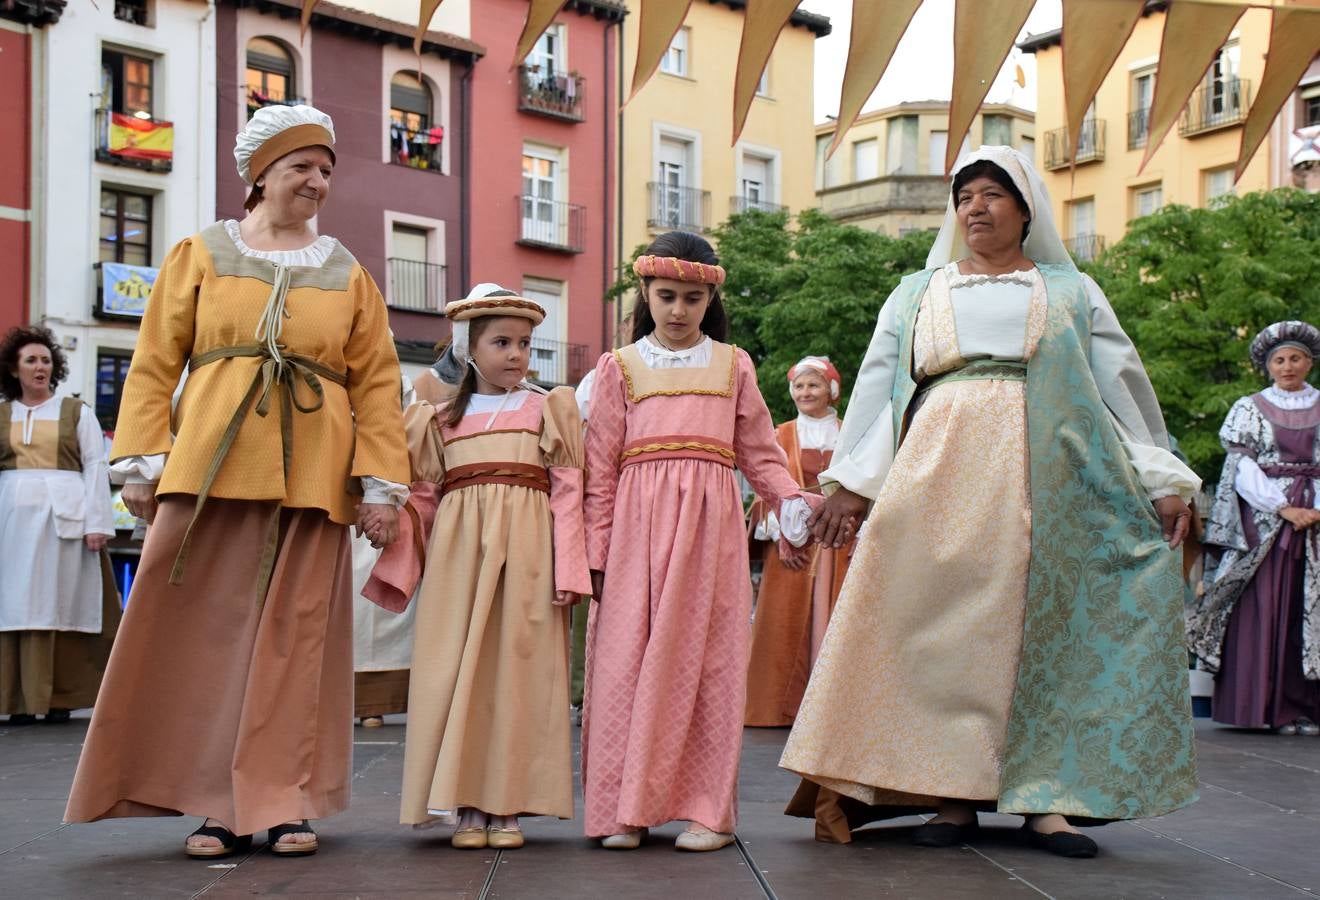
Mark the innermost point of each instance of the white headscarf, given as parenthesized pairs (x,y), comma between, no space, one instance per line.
(1043,243)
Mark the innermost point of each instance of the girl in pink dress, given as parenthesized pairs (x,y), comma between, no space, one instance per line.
(672,414)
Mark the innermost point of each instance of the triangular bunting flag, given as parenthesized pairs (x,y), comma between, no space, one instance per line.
(980,46)
(1094,32)
(762,22)
(1294,42)
(877,27)
(540,14)
(660,21)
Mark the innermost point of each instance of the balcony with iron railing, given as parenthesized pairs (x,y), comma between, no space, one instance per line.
(551,94)
(257,99)
(551,224)
(677,208)
(1090,145)
(556,362)
(1086,247)
(135,140)
(1138,128)
(1219,104)
(741,204)
(134,11)
(421,149)
(416,286)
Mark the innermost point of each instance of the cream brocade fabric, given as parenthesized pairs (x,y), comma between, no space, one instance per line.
(942,652)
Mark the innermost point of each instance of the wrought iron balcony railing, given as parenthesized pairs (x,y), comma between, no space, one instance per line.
(1217,105)
(741,204)
(416,286)
(256,100)
(1086,247)
(1090,145)
(677,208)
(557,362)
(551,94)
(1138,128)
(136,140)
(552,224)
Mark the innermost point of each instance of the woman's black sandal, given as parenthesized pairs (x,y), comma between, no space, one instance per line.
(273,836)
(230,843)
(1068,844)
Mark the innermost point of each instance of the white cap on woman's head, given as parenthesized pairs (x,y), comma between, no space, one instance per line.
(275,131)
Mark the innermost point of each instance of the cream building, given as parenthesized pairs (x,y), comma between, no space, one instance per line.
(888,173)
(678,170)
(1094,202)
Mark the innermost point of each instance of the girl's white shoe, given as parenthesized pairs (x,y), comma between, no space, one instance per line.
(629,840)
(699,839)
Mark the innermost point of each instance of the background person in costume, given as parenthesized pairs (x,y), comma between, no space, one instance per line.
(1258,623)
(59,608)
(796,596)
(230,691)
(671,415)
(382,640)
(488,728)
(1013,599)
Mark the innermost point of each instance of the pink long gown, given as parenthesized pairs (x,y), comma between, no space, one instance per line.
(668,641)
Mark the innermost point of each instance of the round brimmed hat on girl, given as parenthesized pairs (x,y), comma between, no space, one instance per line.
(821,365)
(1291,333)
(486,299)
(276,131)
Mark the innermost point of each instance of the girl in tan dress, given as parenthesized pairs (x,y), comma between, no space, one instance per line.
(488,730)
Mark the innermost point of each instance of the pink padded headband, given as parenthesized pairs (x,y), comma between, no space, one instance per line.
(679,269)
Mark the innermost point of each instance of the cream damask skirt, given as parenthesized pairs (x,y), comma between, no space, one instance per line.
(909,700)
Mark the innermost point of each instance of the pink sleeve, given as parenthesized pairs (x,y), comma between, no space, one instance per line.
(755,446)
(570,547)
(562,450)
(605,436)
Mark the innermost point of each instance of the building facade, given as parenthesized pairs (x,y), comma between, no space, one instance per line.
(24,25)
(543,206)
(677,168)
(402,140)
(888,173)
(123,163)
(1194,165)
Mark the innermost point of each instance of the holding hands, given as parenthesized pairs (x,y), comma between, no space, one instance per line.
(835,522)
(379,522)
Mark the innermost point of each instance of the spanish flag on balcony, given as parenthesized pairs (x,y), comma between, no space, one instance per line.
(136,138)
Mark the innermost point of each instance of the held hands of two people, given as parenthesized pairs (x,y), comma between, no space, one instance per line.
(835,522)
(379,522)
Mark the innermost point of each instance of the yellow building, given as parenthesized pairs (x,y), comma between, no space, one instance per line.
(888,174)
(1094,202)
(678,169)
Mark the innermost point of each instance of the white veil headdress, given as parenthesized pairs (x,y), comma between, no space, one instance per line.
(1043,243)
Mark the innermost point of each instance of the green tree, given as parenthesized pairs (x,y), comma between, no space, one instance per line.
(1192,287)
(811,289)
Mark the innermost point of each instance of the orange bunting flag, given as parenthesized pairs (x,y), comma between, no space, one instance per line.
(1094,32)
(877,28)
(306,18)
(540,15)
(660,21)
(1294,42)
(980,46)
(762,22)
(134,138)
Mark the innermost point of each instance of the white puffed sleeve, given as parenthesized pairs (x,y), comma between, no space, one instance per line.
(1255,487)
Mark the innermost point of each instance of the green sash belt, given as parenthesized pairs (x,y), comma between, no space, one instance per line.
(281,372)
(979,370)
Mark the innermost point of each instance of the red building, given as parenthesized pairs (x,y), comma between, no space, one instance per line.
(21,24)
(403,142)
(544,163)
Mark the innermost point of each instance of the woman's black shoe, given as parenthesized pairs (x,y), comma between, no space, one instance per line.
(944,834)
(1061,843)
(230,843)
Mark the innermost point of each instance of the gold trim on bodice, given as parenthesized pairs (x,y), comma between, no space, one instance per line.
(714,380)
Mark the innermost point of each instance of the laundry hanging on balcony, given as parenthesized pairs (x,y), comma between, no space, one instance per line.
(406,142)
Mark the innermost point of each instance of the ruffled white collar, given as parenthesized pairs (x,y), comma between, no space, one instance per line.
(957,279)
(1303,399)
(313,255)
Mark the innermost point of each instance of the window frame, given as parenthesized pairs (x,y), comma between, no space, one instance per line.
(266,64)
(857,146)
(120,218)
(113,61)
(121,357)
(677,58)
